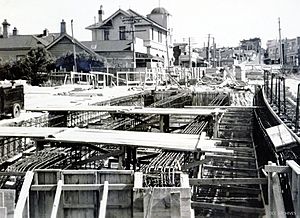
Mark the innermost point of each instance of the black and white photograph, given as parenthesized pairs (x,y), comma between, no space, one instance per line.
(149,109)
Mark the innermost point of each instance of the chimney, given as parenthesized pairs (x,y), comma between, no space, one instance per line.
(100,14)
(63,27)
(45,32)
(15,31)
(5,25)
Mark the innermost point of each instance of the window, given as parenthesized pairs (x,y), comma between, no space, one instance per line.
(122,35)
(152,34)
(106,34)
(159,36)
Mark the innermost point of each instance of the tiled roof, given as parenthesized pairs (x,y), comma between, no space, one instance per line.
(108,45)
(24,41)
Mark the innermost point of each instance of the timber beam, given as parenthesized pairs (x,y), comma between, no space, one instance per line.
(228,157)
(228,207)
(99,157)
(230,168)
(228,181)
(195,164)
(81,187)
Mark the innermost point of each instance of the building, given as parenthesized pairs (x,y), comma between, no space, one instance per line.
(65,44)
(186,57)
(125,33)
(272,52)
(14,46)
(291,51)
(251,44)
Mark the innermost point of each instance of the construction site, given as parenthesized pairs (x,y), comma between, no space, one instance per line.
(214,146)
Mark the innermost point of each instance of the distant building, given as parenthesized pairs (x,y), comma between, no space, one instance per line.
(183,55)
(251,44)
(291,51)
(64,44)
(14,46)
(113,39)
(272,52)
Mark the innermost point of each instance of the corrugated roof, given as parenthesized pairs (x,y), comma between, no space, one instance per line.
(108,45)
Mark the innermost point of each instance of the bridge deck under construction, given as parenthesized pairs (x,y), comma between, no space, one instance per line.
(206,162)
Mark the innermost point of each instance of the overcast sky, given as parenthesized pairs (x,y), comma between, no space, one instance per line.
(229,21)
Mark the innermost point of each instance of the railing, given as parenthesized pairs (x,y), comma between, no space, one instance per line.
(277,206)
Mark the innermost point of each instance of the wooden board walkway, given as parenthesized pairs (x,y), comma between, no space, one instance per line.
(168,141)
(131,110)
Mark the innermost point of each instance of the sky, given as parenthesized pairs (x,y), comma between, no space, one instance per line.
(228,21)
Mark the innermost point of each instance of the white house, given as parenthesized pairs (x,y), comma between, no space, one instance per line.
(113,38)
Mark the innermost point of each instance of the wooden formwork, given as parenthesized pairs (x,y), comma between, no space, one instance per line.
(76,193)
(99,193)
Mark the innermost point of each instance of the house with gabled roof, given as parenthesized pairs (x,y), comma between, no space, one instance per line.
(65,44)
(14,46)
(125,33)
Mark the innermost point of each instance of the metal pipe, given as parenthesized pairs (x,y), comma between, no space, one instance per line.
(284,95)
(297,109)
(265,80)
(279,100)
(271,98)
(268,73)
(276,88)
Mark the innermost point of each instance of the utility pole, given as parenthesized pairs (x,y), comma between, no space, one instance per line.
(214,52)
(132,20)
(74,50)
(167,47)
(280,43)
(219,57)
(190,54)
(208,50)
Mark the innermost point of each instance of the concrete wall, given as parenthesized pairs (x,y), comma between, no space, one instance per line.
(162,202)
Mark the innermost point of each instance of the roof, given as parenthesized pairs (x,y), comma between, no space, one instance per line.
(19,41)
(25,41)
(159,10)
(98,25)
(108,45)
(147,19)
(127,14)
(85,48)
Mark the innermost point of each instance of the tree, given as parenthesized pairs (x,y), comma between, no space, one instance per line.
(11,70)
(36,65)
(85,62)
